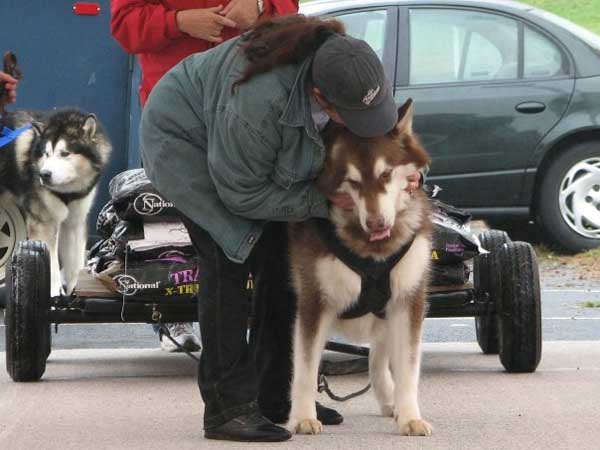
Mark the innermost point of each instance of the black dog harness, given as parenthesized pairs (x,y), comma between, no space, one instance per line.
(374,275)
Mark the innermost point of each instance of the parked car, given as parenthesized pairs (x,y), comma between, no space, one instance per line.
(507,101)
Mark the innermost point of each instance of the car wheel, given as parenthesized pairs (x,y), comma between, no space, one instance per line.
(486,326)
(519,308)
(568,205)
(27,331)
(12,230)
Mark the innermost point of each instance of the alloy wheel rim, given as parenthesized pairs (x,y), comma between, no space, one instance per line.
(12,230)
(579,198)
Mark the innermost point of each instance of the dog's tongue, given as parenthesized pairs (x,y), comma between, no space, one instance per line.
(379,235)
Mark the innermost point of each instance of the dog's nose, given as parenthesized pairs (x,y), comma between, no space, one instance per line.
(376,223)
(45,175)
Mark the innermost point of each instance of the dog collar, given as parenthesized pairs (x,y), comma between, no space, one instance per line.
(8,135)
(375,289)
(68,197)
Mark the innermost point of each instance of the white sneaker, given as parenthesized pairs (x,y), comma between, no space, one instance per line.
(183,334)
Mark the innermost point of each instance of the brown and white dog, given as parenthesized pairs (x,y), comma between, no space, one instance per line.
(386,219)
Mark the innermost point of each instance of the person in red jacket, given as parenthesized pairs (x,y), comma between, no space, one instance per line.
(163,32)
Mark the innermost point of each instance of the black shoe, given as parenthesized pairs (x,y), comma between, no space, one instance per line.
(251,427)
(326,416)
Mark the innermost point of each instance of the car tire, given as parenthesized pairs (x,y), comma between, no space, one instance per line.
(27,329)
(519,308)
(486,326)
(12,230)
(560,198)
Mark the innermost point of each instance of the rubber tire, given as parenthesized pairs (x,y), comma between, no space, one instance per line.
(12,222)
(548,215)
(519,309)
(27,330)
(486,327)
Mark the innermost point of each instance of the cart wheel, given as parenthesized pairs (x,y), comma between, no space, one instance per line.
(519,308)
(486,327)
(27,328)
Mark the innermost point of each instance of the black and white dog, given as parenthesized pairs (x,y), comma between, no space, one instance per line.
(51,171)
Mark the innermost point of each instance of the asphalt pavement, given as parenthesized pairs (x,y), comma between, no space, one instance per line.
(108,386)
(145,399)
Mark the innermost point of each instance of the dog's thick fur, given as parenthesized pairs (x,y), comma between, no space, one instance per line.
(385,217)
(51,172)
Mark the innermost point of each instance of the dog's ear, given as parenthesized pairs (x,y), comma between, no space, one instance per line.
(330,178)
(89,126)
(405,119)
(333,173)
(38,128)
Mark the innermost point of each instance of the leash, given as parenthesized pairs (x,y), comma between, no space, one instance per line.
(323,386)
(8,135)
(166,332)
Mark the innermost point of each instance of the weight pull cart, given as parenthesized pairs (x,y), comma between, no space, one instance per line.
(504,299)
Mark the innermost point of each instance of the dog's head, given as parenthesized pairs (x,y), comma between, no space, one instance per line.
(71,151)
(374,172)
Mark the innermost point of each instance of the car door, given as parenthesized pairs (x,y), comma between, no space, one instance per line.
(377,25)
(487,87)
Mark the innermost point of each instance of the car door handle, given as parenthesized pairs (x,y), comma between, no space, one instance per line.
(530,107)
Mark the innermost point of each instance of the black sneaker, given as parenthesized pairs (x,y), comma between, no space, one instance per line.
(252,427)
(327,416)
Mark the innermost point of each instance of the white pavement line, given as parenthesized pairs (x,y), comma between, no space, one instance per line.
(571,318)
(543,318)
(499,370)
(575,291)
(429,318)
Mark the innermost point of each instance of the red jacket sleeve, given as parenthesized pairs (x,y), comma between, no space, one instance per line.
(280,7)
(143,25)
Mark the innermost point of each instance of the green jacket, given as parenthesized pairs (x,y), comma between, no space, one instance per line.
(232,162)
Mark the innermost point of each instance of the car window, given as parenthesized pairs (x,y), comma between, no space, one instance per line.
(543,58)
(369,26)
(457,45)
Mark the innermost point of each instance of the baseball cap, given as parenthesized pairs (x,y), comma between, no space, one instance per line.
(350,76)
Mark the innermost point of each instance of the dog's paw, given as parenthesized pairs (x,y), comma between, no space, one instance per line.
(307,426)
(56,291)
(68,289)
(387,410)
(415,427)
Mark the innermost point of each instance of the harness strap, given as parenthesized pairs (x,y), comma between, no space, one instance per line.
(375,275)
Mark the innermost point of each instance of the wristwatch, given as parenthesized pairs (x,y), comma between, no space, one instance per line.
(261,6)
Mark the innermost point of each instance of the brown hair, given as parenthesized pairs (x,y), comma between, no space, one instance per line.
(284,40)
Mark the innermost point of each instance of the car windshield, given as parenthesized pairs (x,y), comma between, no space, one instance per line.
(591,39)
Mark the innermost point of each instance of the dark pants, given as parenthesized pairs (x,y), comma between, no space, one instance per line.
(238,375)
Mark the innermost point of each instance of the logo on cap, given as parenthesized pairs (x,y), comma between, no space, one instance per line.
(371,94)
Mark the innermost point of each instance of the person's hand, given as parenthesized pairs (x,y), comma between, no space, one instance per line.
(243,12)
(10,86)
(342,200)
(414,182)
(205,23)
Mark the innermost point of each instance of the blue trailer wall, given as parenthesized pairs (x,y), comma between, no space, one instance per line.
(72,60)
